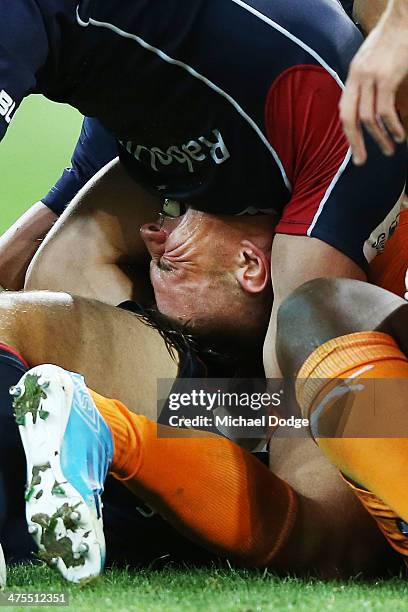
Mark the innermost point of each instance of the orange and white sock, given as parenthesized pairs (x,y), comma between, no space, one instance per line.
(207,487)
(362,442)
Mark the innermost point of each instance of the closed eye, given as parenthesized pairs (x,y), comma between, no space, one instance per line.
(164,266)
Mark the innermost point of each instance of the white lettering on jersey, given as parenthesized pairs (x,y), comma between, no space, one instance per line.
(194,151)
(218,150)
(7,106)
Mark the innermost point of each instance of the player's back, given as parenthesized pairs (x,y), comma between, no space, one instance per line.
(131,53)
(184,85)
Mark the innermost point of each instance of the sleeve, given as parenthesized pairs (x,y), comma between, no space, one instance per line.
(333,200)
(95,148)
(23,51)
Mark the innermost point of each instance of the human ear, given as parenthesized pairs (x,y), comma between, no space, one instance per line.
(253,268)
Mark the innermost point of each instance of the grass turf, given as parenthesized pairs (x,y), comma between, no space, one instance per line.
(215,589)
(35,150)
(37,147)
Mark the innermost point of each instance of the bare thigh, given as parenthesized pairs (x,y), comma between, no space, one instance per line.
(334,536)
(118,355)
(95,250)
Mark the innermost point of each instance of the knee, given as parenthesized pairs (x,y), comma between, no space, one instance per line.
(12,320)
(25,320)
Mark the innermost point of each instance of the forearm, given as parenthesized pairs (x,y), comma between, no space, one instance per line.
(393,27)
(20,242)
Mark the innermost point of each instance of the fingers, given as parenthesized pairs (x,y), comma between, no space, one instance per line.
(386,110)
(372,120)
(370,101)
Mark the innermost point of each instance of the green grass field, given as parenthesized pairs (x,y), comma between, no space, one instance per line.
(36,149)
(188,590)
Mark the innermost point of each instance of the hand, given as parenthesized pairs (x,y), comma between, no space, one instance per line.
(20,242)
(375,75)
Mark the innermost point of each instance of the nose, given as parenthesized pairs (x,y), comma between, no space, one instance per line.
(154,238)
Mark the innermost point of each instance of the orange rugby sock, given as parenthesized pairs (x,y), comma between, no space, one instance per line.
(207,487)
(389,523)
(370,402)
(388,269)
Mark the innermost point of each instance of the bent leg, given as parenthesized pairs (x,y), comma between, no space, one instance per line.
(95,249)
(334,535)
(223,498)
(351,387)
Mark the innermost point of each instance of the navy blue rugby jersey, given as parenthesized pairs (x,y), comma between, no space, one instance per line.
(227,105)
(95,148)
(348,6)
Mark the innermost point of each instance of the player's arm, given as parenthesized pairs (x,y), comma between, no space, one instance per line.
(97,242)
(296,260)
(377,72)
(335,207)
(20,242)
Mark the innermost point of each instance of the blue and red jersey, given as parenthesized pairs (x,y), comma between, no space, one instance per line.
(229,106)
(95,148)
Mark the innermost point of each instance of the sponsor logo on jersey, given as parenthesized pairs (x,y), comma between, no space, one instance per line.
(378,239)
(192,153)
(7,106)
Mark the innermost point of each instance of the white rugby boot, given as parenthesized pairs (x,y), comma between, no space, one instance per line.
(68,448)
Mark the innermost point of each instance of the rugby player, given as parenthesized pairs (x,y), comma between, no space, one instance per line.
(95,148)
(242,77)
(209,489)
(215,144)
(377,77)
(296,463)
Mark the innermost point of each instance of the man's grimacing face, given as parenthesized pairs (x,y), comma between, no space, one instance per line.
(196,269)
